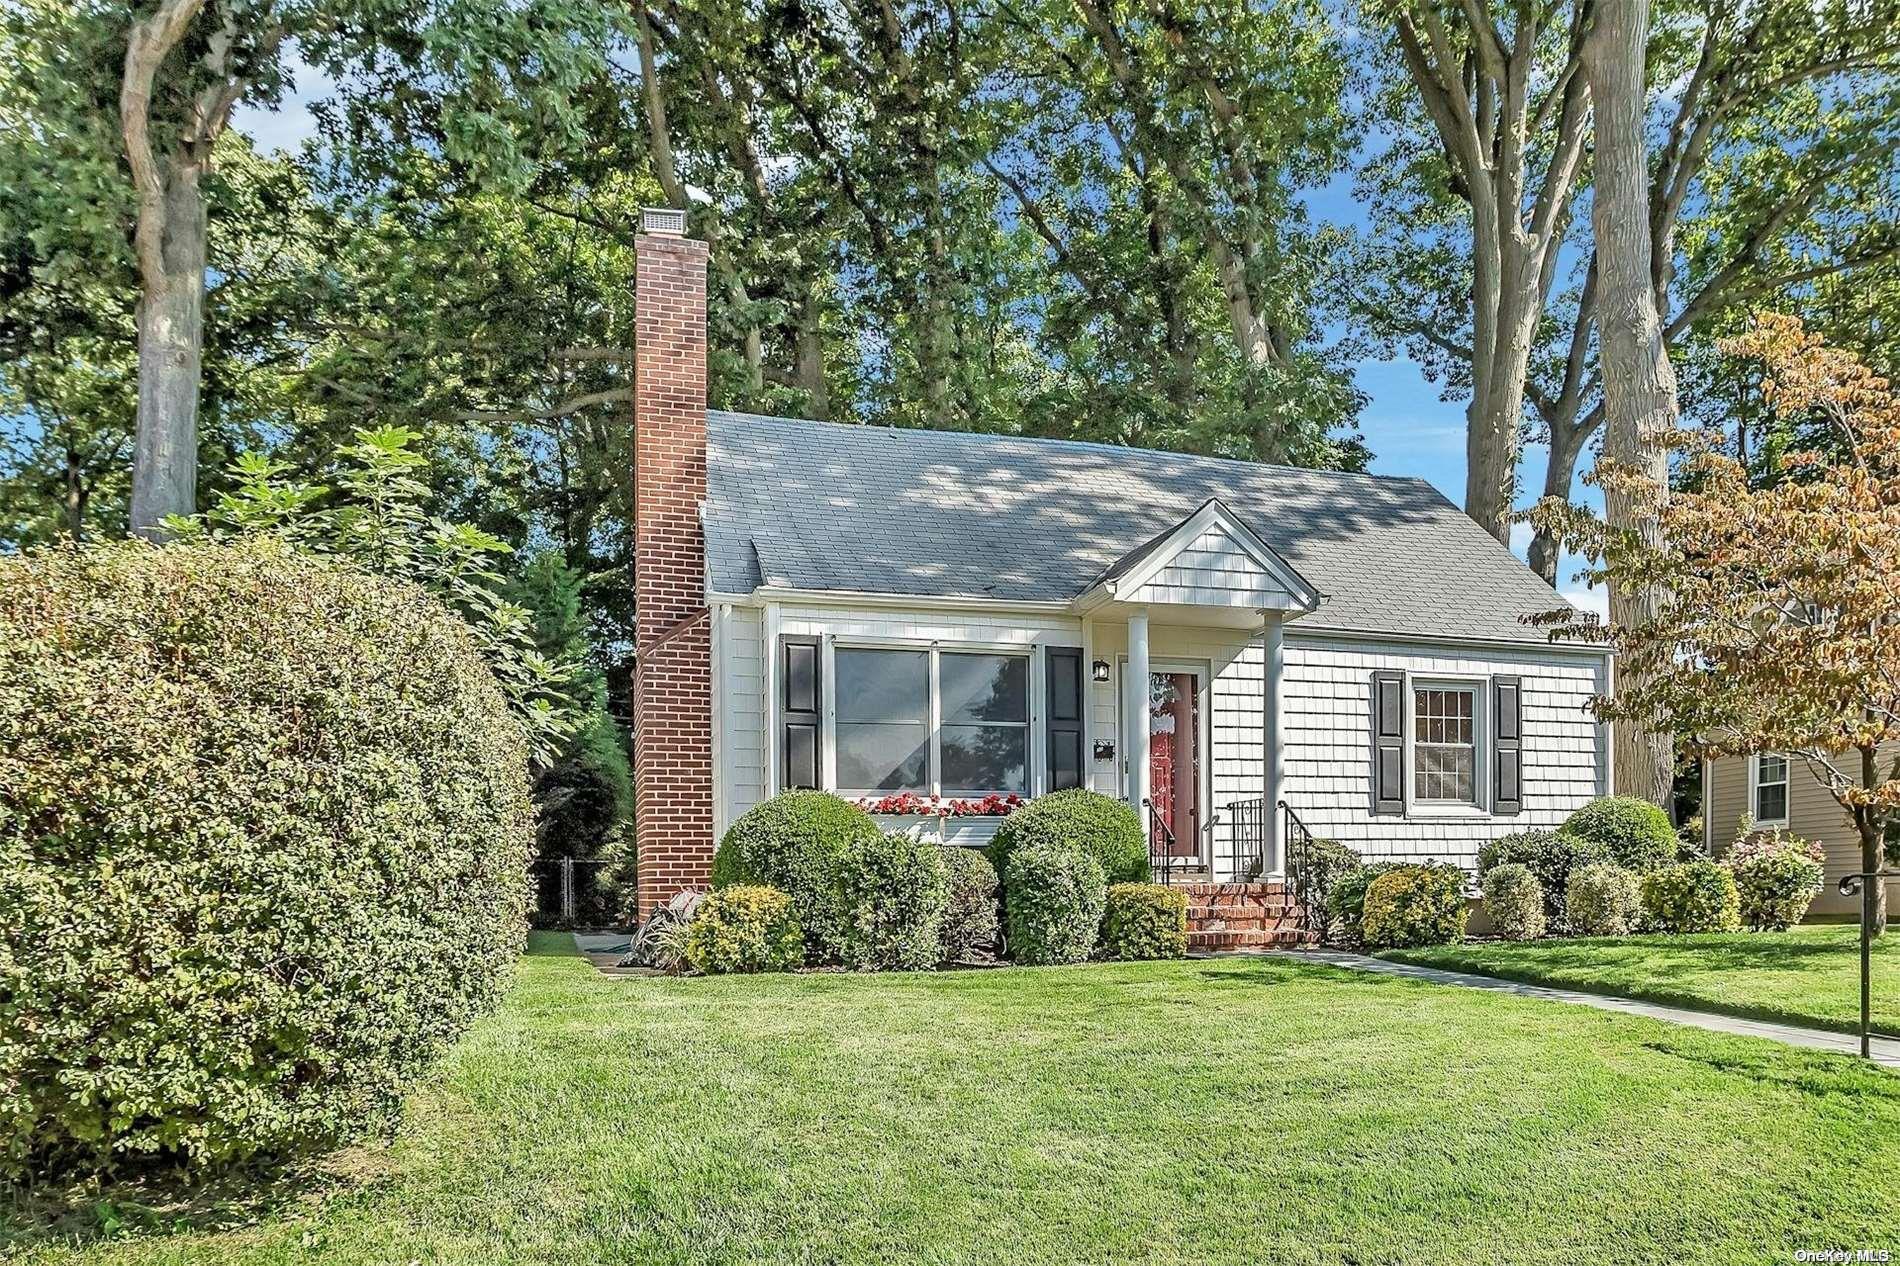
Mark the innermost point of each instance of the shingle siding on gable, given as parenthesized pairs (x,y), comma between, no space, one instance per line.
(1328,757)
(1214,571)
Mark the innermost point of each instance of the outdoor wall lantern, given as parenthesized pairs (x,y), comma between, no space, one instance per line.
(1099,670)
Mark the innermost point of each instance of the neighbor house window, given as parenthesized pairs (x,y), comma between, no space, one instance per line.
(1445,744)
(885,701)
(1771,788)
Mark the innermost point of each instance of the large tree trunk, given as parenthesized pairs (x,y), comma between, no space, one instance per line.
(1639,386)
(171,360)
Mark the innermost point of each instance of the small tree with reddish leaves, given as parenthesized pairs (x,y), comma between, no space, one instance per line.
(1778,625)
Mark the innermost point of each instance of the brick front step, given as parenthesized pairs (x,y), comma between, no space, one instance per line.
(1241,920)
(1249,938)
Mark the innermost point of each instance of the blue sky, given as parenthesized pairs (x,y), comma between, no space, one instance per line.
(1410,430)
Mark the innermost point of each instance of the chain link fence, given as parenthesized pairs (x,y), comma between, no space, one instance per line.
(577,892)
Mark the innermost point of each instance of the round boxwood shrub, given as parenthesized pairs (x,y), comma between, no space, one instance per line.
(1346,903)
(1777,877)
(1104,826)
(1515,902)
(794,842)
(1604,900)
(1053,895)
(890,892)
(1144,921)
(264,833)
(1633,833)
(1551,856)
(1692,897)
(745,928)
(969,920)
(1415,905)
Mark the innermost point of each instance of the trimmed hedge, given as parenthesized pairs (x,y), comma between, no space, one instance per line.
(1144,921)
(795,842)
(1551,856)
(969,921)
(1776,879)
(1515,902)
(1692,897)
(1053,898)
(745,928)
(1416,905)
(1107,828)
(264,833)
(1604,900)
(1346,903)
(890,893)
(1632,832)
(1325,863)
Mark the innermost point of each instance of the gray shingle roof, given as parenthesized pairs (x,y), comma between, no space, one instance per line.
(817,505)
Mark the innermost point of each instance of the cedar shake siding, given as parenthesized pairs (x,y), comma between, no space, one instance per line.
(673,687)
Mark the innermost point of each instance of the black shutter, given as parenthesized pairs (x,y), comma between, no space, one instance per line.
(1388,743)
(1507,744)
(1066,700)
(798,669)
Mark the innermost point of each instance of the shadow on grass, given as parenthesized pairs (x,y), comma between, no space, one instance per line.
(154,1207)
(551,945)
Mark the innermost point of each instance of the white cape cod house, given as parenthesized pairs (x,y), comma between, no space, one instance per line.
(964,616)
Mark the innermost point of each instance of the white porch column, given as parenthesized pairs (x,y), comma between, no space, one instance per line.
(1273,738)
(1136,704)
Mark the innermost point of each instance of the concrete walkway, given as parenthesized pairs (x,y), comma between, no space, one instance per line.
(1885,1051)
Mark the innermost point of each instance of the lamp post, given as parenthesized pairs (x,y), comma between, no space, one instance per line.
(1863,884)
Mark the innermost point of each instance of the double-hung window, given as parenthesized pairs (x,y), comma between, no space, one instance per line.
(953,723)
(1445,744)
(1771,789)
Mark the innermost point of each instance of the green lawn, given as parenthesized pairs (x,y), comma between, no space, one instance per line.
(1810,975)
(1208,1111)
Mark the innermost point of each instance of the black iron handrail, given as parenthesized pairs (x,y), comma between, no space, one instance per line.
(1248,828)
(1302,875)
(1155,820)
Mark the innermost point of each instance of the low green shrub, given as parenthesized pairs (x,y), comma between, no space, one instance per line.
(1104,826)
(794,842)
(1514,900)
(1691,897)
(1777,877)
(1053,895)
(1320,867)
(1144,921)
(1346,903)
(1415,905)
(264,833)
(1633,833)
(890,892)
(1551,856)
(1604,900)
(745,928)
(969,920)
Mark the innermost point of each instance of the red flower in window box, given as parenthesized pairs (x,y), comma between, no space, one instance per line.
(910,804)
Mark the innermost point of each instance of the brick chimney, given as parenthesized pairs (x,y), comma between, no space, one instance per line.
(672,690)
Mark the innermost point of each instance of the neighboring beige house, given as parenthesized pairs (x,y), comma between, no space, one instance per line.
(1779,791)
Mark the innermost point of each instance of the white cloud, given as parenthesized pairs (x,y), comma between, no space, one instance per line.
(1521,539)
(1590,598)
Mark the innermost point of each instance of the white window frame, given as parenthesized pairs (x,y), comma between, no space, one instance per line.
(1480,804)
(933,742)
(1755,785)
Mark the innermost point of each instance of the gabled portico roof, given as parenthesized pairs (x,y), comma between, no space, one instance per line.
(1211,558)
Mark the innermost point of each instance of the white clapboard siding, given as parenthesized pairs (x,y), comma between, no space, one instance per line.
(739,715)
(1328,771)
(1213,571)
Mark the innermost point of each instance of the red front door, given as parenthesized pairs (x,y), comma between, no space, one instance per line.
(1174,728)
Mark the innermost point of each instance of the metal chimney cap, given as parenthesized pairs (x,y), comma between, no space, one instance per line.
(664,221)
